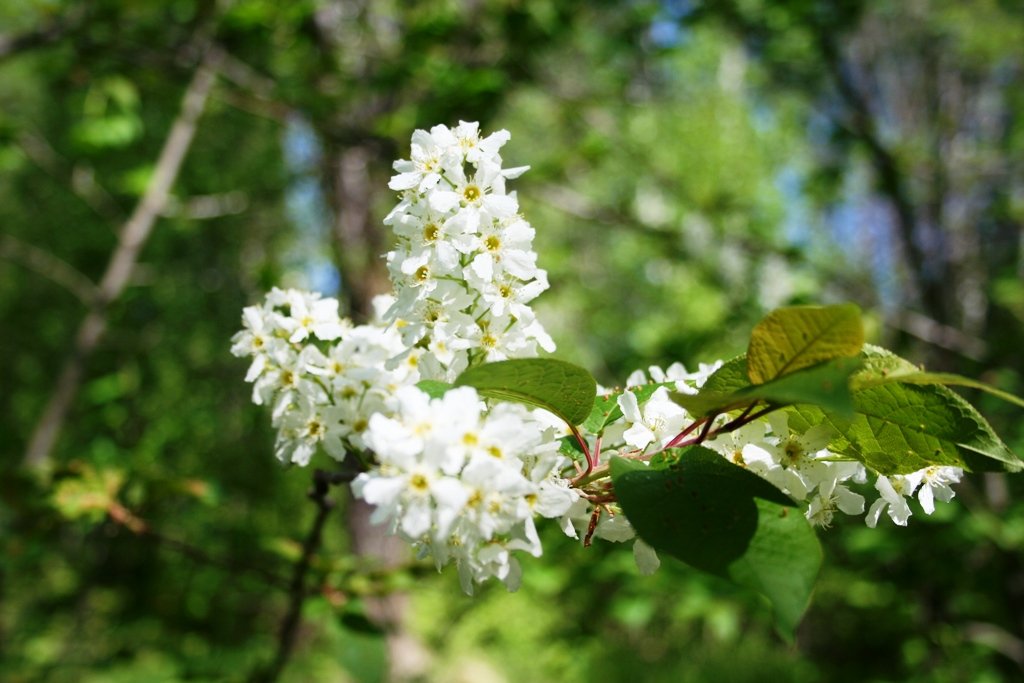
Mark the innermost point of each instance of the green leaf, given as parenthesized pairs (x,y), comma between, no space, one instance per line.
(719,391)
(889,367)
(565,389)
(606,406)
(726,521)
(89,495)
(950,379)
(433,388)
(906,420)
(570,447)
(825,384)
(901,428)
(796,337)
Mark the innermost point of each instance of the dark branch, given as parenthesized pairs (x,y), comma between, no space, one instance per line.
(125,518)
(47,34)
(322,482)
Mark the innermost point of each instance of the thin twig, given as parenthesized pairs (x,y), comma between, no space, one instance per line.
(591,462)
(127,519)
(51,267)
(81,180)
(322,482)
(678,438)
(47,34)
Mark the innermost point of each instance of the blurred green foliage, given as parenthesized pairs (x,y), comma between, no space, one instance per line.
(694,165)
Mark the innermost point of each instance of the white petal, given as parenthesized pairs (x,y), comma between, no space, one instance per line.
(927,498)
(404,181)
(647,560)
(849,502)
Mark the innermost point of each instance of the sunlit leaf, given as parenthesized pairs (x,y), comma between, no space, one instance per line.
(825,384)
(565,389)
(796,337)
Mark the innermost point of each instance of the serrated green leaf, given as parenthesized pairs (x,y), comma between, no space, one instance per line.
(565,389)
(950,379)
(726,521)
(433,388)
(979,439)
(900,428)
(914,423)
(880,365)
(570,447)
(796,337)
(888,367)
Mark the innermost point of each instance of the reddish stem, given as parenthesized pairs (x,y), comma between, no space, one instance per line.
(677,439)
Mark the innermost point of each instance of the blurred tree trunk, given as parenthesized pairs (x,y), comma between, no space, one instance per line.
(350,189)
(359,243)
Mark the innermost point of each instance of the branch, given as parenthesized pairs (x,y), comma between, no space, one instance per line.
(82,181)
(47,34)
(204,207)
(132,236)
(255,92)
(51,267)
(322,482)
(943,336)
(124,517)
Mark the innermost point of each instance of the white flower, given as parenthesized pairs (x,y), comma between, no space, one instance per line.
(894,492)
(423,171)
(464,268)
(832,496)
(936,483)
(462,482)
(658,422)
(308,314)
(646,558)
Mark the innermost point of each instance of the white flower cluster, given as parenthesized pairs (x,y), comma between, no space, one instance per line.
(464,269)
(459,481)
(684,381)
(800,465)
(463,483)
(322,377)
(929,483)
